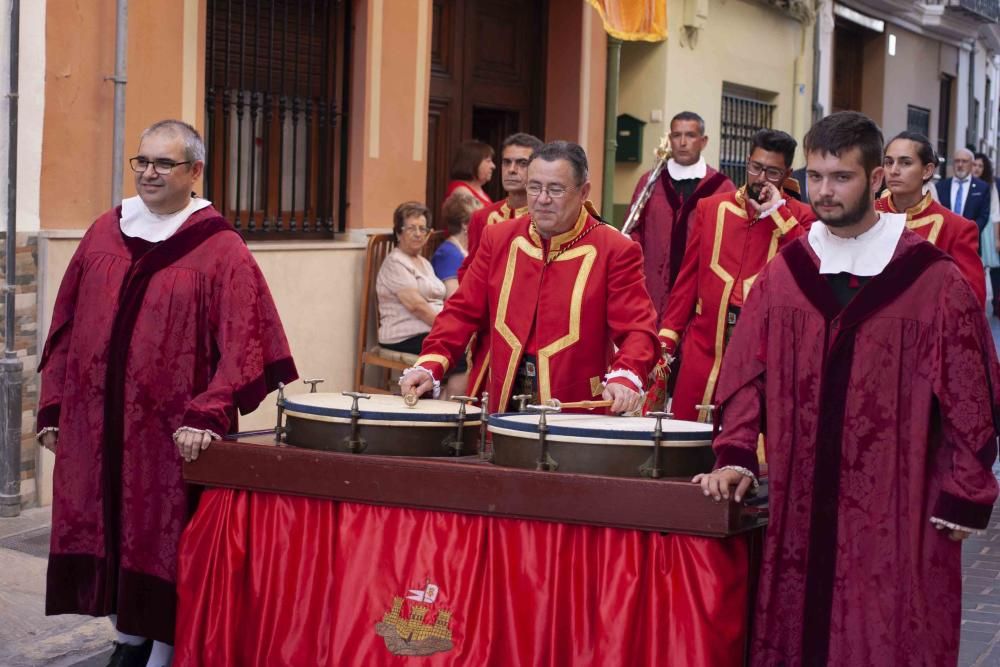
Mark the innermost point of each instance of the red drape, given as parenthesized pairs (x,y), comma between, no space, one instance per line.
(284,580)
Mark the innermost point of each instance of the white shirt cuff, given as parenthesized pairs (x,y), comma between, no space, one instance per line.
(766,213)
(628,375)
(941,524)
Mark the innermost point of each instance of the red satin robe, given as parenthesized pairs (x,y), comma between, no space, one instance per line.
(957,236)
(145,338)
(726,251)
(569,300)
(663,228)
(481,219)
(879,416)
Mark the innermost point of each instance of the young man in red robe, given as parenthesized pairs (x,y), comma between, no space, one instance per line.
(733,235)
(561,295)
(663,226)
(514,157)
(909,163)
(866,359)
(162,329)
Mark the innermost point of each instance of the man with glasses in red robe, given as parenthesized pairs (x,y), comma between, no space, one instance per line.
(162,329)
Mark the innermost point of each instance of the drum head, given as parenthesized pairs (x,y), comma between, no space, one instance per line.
(380,409)
(603,429)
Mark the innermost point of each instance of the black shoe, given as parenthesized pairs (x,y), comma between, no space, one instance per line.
(130,655)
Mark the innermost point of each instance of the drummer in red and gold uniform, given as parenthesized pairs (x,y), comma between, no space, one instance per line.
(732,236)
(562,295)
(909,163)
(514,156)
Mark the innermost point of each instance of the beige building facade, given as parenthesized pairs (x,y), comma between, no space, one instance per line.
(399,54)
(725,60)
(930,67)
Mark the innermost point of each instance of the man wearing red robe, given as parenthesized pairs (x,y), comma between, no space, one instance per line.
(162,329)
(663,226)
(561,295)
(909,163)
(733,235)
(866,358)
(514,157)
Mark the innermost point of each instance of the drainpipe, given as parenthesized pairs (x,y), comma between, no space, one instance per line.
(10,366)
(610,127)
(973,122)
(817,108)
(118,135)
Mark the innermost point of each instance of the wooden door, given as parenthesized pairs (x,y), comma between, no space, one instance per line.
(848,66)
(487,80)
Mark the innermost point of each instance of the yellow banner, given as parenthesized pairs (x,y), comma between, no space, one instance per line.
(634,20)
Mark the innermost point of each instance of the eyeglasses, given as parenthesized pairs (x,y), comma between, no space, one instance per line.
(139,165)
(416,231)
(554,191)
(770,173)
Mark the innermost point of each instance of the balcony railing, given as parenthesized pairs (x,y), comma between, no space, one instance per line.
(987,11)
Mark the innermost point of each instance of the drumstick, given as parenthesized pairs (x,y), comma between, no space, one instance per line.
(582,405)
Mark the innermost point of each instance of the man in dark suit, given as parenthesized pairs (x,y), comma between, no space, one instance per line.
(965,194)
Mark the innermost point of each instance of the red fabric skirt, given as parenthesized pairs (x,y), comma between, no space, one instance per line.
(275,580)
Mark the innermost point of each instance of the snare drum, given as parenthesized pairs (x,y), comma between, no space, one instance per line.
(602,444)
(384,425)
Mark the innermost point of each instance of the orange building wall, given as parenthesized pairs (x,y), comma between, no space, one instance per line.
(383,168)
(575,76)
(79,110)
(76,136)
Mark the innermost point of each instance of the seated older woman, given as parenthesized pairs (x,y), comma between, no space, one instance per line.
(409,294)
(456,211)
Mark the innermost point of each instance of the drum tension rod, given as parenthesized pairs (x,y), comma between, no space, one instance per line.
(522,401)
(279,429)
(545,462)
(312,384)
(656,470)
(713,416)
(458,442)
(484,422)
(355,443)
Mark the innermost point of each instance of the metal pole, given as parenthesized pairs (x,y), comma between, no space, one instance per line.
(610,127)
(118,134)
(11,366)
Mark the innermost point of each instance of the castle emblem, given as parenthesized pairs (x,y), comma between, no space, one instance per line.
(415,634)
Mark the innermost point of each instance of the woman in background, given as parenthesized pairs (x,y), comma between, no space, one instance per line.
(989,242)
(456,211)
(909,162)
(471,169)
(409,294)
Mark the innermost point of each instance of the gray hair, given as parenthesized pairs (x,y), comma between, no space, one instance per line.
(194,147)
(966,152)
(565,150)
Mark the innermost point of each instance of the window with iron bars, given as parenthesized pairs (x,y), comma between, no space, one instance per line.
(275,109)
(744,112)
(918,119)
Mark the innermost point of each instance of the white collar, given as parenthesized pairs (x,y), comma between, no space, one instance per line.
(138,221)
(680,172)
(963,180)
(864,255)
